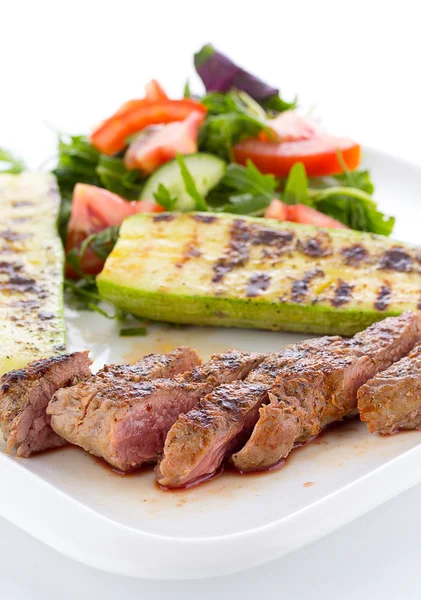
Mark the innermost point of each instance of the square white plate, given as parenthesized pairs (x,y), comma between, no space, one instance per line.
(125,524)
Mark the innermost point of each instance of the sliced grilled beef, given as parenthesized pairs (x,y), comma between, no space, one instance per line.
(322,387)
(392,399)
(198,441)
(24,395)
(270,368)
(151,366)
(126,422)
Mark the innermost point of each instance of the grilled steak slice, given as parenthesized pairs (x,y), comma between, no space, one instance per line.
(73,405)
(126,422)
(269,369)
(198,441)
(152,366)
(392,399)
(112,379)
(322,387)
(24,395)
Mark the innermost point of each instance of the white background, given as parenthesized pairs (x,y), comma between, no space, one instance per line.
(69,64)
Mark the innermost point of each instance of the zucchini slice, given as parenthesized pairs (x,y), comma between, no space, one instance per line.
(31,270)
(220,269)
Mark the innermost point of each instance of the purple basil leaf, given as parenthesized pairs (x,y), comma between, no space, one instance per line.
(220,74)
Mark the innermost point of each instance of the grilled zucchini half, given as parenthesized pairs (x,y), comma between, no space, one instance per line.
(226,270)
(31,270)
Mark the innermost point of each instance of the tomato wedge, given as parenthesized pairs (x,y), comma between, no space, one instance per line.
(110,137)
(289,126)
(277,210)
(155,146)
(300,213)
(95,209)
(319,155)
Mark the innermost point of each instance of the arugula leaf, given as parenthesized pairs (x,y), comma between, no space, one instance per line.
(247,105)
(249,179)
(132,331)
(276,104)
(116,178)
(83,295)
(246,204)
(354,208)
(231,117)
(190,185)
(164,198)
(244,191)
(12,164)
(360,180)
(187,92)
(101,243)
(296,187)
(77,161)
(116,315)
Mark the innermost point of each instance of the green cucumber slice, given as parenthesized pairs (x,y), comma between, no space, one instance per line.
(207,170)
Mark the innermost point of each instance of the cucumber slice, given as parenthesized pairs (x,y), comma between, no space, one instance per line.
(207,170)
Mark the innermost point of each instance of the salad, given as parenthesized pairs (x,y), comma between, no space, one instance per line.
(237,147)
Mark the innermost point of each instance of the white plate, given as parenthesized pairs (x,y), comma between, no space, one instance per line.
(70,501)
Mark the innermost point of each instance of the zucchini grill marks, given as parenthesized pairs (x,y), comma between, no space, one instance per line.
(278,247)
(241,271)
(31,270)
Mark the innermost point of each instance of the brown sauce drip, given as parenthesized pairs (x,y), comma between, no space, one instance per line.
(105,465)
(226,467)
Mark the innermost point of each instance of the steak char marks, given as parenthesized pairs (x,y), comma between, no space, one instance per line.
(126,421)
(24,396)
(392,399)
(199,441)
(322,387)
(221,422)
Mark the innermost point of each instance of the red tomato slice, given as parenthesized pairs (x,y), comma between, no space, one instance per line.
(318,154)
(154,91)
(110,137)
(277,210)
(154,147)
(289,126)
(95,209)
(300,213)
